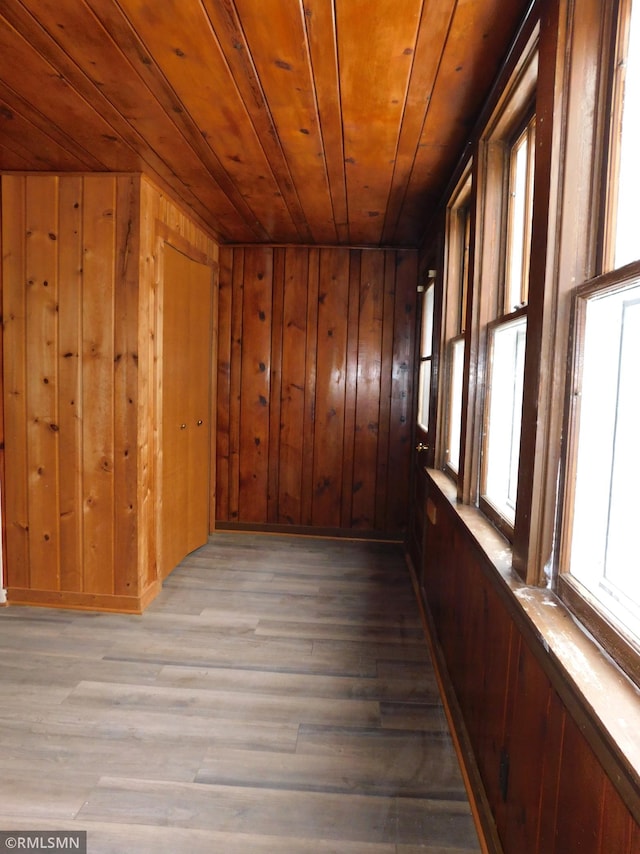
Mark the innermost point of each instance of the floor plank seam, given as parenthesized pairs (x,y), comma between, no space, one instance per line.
(286,704)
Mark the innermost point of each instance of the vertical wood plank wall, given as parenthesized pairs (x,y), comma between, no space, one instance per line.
(70,248)
(162,221)
(548,792)
(315,368)
(80,275)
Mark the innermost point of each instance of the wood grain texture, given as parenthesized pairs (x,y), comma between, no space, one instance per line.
(368,50)
(80,260)
(98,359)
(41,409)
(452,92)
(223,395)
(254,392)
(176,417)
(401,414)
(369,391)
(548,786)
(276,379)
(14,378)
(217,722)
(331,393)
(318,350)
(292,393)
(164,223)
(312,123)
(126,316)
(70,382)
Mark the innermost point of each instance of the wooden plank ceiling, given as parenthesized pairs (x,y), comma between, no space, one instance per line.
(275,121)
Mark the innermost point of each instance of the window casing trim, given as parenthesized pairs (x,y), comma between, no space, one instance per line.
(512,116)
(590,611)
(458,272)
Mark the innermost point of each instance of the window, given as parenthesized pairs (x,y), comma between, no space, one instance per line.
(506,331)
(520,214)
(621,238)
(456,289)
(426,344)
(504,415)
(599,577)
(605,508)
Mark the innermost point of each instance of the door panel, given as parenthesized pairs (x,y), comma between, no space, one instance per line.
(186,380)
(199,388)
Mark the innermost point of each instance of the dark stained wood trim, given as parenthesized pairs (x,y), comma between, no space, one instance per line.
(542,626)
(547,316)
(309,531)
(480,807)
(360,247)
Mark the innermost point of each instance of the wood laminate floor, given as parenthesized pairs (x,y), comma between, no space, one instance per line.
(276,698)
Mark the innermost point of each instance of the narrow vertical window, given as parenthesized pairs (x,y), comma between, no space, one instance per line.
(520,213)
(621,238)
(502,444)
(456,289)
(426,345)
(507,339)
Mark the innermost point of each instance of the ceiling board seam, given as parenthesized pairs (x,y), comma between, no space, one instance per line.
(301,222)
(344,170)
(320,121)
(240,202)
(404,112)
(424,118)
(44,127)
(86,80)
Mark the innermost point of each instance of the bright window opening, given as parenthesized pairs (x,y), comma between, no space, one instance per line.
(627,245)
(426,343)
(520,216)
(455,403)
(604,556)
(502,446)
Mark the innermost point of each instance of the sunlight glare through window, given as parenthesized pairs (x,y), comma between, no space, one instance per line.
(627,245)
(604,555)
(505,416)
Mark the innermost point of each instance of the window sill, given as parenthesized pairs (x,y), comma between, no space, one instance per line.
(602,699)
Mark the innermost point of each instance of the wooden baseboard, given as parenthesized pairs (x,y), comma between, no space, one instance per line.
(482,815)
(309,531)
(83,601)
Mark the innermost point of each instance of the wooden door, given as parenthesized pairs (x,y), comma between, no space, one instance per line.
(186,380)
(198,405)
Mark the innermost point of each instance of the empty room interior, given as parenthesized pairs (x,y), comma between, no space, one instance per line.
(318,426)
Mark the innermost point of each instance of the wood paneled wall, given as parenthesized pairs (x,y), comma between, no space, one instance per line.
(80,275)
(315,368)
(548,791)
(163,221)
(70,271)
